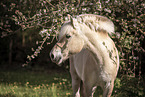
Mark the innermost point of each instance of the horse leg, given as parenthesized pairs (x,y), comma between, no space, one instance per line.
(107,91)
(76,87)
(82,92)
(89,90)
(75,79)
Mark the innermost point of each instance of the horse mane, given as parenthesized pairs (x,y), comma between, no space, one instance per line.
(96,22)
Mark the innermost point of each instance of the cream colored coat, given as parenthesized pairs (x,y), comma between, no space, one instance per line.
(94,59)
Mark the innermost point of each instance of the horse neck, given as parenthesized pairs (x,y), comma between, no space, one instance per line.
(94,41)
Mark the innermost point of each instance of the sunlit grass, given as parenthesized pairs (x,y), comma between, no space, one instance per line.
(56,84)
(32,91)
(32,84)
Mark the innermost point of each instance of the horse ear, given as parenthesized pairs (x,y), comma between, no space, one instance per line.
(74,22)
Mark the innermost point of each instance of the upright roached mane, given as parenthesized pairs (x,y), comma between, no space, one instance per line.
(97,22)
(94,22)
(94,59)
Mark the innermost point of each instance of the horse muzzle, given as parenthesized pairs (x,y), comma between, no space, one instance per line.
(56,57)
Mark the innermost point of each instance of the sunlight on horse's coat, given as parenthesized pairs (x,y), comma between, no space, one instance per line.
(94,59)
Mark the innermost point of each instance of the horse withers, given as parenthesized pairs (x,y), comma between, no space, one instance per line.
(94,59)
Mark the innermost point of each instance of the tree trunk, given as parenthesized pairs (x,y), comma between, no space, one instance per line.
(10,51)
(23,39)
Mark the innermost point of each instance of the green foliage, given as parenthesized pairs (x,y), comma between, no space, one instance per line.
(128,87)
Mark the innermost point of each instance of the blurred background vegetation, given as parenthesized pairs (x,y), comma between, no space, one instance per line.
(28,30)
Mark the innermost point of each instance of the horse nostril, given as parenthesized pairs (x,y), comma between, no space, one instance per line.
(52,56)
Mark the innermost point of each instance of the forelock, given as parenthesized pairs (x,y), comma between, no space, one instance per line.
(66,27)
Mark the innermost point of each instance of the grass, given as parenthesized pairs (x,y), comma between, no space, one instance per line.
(35,84)
(54,83)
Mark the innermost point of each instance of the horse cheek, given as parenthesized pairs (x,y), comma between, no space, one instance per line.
(76,46)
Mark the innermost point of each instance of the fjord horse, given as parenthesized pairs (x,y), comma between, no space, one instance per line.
(94,59)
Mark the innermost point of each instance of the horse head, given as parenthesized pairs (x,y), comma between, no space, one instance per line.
(70,42)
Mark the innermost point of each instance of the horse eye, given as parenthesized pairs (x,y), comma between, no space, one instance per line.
(67,36)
